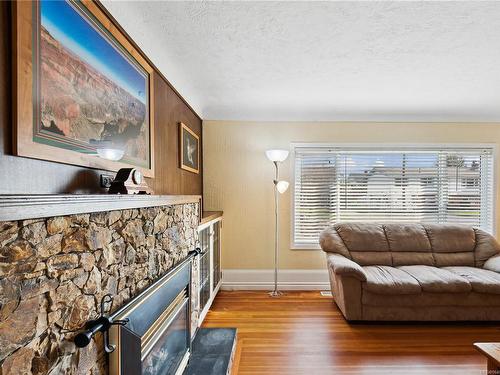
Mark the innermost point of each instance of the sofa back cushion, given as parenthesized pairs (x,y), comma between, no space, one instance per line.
(408,244)
(366,243)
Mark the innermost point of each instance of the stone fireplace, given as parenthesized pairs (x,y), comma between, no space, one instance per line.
(56,267)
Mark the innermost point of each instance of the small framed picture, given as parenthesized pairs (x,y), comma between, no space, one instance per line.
(189,149)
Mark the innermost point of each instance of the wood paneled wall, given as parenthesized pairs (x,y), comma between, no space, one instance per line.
(29,176)
(169,111)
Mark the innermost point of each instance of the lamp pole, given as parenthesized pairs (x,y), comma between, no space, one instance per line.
(276,292)
(277,156)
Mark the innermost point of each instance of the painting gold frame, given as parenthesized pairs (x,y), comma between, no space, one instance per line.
(25,97)
(182,127)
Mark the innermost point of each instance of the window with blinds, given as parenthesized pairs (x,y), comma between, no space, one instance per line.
(438,185)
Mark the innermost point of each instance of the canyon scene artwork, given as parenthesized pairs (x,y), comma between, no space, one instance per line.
(89,87)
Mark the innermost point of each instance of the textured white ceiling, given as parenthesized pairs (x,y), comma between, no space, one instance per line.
(291,61)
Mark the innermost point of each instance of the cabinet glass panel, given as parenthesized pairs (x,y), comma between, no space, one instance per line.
(216,254)
(204,279)
(205,240)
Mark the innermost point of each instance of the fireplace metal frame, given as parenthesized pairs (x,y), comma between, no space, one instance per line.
(161,322)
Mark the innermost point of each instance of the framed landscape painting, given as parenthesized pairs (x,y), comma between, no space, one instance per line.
(189,149)
(80,83)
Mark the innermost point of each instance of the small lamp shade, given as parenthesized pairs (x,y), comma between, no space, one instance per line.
(277,155)
(282,186)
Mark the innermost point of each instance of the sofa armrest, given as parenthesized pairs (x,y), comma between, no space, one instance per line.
(331,242)
(487,247)
(343,266)
(493,264)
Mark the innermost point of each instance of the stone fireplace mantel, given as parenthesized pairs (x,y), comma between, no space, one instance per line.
(22,207)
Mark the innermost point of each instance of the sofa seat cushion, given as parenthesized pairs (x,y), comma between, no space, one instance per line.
(437,280)
(482,281)
(426,299)
(389,280)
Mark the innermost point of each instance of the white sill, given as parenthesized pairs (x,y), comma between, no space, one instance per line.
(308,247)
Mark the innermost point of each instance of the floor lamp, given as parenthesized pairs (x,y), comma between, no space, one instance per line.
(280,186)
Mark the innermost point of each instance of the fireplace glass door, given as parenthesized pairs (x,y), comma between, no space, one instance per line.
(166,354)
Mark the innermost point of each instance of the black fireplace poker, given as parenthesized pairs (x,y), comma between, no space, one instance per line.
(102,324)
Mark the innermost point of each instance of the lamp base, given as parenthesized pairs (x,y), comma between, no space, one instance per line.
(275,293)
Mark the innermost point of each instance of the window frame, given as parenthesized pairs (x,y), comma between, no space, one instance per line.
(386,147)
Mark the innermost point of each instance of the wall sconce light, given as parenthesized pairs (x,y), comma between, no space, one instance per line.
(107,149)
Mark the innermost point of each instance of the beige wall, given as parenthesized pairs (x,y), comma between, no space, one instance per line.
(238,177)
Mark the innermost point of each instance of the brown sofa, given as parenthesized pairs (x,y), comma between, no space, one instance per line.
(413,272)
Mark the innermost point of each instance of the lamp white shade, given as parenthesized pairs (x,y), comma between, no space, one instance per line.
(282,186)
(277,155)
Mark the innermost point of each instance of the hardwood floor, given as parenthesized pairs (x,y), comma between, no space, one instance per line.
(305,333)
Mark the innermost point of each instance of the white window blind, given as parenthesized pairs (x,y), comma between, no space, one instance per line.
(441,185)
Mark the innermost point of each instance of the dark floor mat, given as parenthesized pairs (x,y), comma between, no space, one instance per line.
(212,352)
